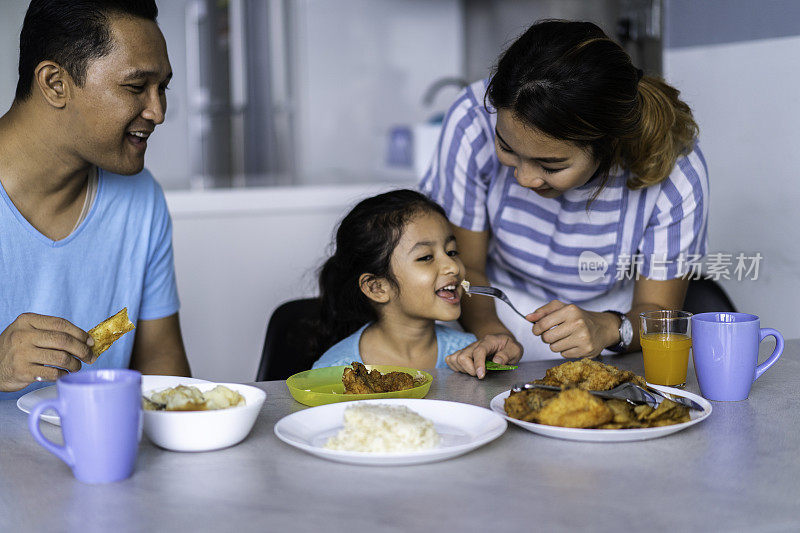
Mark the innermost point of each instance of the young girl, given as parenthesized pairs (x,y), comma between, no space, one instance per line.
(395,272)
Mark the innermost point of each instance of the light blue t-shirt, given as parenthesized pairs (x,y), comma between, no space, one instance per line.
(346,351)
(119,256)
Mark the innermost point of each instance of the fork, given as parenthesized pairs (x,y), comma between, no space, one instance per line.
(493,292)
(686,402)
(626,391)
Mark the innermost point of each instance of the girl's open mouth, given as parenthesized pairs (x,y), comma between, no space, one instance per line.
(449,294)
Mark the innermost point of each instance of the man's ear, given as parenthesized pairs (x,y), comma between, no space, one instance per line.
(376,289)
(53,82)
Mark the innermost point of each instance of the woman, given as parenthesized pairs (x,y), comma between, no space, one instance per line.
(575,185)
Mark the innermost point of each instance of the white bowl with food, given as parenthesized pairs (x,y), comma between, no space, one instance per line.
(199,420)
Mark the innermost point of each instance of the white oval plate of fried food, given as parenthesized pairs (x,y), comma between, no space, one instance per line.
(609,435)
(581,411)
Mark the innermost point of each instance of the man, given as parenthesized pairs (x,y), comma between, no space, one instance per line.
(84,229)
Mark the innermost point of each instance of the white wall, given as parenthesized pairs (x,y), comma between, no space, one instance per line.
(361,66)
(493,25)
(746,102)
(168,153)
(12,12)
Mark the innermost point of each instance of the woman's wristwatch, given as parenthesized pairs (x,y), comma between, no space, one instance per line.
(625,333)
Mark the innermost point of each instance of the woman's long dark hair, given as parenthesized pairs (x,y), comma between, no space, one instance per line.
(365,240)
(571,82)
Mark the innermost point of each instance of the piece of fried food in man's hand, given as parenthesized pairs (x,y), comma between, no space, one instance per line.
(109,330)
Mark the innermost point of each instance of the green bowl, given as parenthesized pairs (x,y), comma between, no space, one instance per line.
(322,386)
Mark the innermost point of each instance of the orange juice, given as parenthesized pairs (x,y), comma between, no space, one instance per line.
(666,357)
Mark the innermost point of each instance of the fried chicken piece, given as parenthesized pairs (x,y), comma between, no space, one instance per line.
(622,411)
(393,381)
(624,416)
(668,413)
(525,405)
(575,408)
(588,374)
(358,380)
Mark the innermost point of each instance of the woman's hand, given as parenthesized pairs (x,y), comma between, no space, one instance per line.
(574,332)
(32,341)
(503,349)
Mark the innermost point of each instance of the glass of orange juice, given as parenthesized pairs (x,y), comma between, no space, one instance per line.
(666,338)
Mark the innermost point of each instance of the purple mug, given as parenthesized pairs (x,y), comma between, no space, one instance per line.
(725,353)
(101,419)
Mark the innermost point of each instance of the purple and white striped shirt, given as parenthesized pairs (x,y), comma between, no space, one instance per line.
(537,244)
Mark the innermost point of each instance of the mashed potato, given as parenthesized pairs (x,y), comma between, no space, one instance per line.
(222,397)
(188,398)
(380,428)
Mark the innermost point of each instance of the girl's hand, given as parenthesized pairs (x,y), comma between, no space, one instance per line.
(572,331)
(503,349)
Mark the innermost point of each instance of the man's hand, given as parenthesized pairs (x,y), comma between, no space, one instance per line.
(572,331)
(32,341)
(503,349)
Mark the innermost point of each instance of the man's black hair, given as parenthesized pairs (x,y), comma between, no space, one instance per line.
(70,33)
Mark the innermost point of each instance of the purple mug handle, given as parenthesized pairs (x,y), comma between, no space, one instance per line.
(766,332)
(62,452)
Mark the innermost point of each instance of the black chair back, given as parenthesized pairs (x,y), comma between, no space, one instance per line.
(706,296)
(286,350)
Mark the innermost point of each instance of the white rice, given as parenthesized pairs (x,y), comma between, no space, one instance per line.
(381,428)
(466,285)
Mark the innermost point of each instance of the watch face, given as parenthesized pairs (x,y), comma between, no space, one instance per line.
(626,331)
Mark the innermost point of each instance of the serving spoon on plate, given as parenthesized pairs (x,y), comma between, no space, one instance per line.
(625,391)
(629,392)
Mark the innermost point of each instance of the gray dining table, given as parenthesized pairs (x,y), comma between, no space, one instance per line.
(738,470)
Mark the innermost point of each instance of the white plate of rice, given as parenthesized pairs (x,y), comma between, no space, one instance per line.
(397,431)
